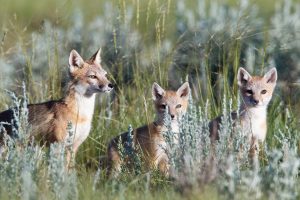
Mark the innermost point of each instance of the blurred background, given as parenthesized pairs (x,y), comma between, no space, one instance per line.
(144,41)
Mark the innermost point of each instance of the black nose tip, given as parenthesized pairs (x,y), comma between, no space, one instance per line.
(172,116)
(255,102)
(110,85)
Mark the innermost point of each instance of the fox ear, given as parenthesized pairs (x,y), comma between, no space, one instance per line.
(271,75)
(184,90)
(96,58)
(75,61)
(157,91)
(243,77)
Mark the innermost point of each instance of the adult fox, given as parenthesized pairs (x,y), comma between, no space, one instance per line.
(48,121)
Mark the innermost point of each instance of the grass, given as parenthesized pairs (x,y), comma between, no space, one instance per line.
(145,41)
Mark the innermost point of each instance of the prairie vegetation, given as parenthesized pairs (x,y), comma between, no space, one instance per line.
(169,42)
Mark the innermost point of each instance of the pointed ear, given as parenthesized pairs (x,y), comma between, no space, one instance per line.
(184,90)
(271,75)
(75,61)
(157,92)
(243,77)
(96,59)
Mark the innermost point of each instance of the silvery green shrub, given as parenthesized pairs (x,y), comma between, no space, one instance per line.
(194,163)
(22,161)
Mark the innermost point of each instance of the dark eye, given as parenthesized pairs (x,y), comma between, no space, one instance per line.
(178,106)
(162,106)
(264,91)
(92,76)
(249,92)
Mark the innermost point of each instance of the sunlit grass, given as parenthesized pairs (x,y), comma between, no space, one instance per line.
(142,42)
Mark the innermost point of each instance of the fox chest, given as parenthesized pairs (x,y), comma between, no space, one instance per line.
(80,133)
(254,127)
(83,120)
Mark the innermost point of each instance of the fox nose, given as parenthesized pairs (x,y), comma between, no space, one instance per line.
(110,85)
(172,116)
(255,102)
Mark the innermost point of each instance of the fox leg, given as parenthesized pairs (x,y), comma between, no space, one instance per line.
(163,166)
(254,149)
(114,163)
(70,157)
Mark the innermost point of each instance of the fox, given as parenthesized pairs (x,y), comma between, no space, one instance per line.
(256,93)
(149,138)
(49,120)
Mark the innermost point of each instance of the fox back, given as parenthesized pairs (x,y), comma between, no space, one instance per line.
(149,138)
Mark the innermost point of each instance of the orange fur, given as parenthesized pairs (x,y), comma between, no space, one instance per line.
(256,93)
(149,138)
(48,121)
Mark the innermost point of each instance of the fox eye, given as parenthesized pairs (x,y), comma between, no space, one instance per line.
(92,76)
(162,106)
(178,106)
(264,91)
(249,92)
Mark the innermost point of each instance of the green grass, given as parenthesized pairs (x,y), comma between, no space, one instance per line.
(210,64)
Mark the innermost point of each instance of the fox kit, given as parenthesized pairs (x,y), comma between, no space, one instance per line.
(49,120)
(149,138)
(256,93)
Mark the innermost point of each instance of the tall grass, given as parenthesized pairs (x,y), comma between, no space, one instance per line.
(168,42)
